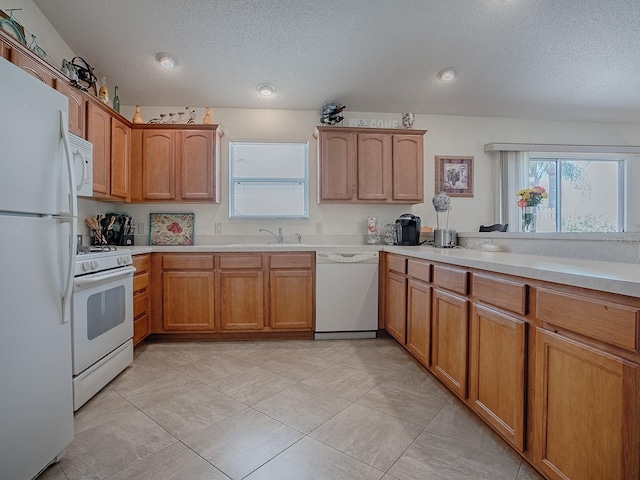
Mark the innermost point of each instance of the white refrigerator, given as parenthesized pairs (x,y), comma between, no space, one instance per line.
(37,245)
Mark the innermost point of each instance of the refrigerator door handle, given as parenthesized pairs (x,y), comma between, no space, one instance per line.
(69,218)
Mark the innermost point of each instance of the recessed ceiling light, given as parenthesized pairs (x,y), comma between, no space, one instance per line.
(266,89)
(165,60)
(446,74)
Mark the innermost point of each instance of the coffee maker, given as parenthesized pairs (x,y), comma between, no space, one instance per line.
(408,229)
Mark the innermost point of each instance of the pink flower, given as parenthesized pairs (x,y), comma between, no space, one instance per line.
(174,228)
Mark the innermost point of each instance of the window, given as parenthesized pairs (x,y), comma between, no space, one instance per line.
(585,194)
(268,180)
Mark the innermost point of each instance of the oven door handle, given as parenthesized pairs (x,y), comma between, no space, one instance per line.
(102,277)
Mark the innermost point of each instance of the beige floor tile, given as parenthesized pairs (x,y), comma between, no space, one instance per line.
(113,446)
(414,374)
(150,390)
(373,437)
(332,351)
(107,405)
(527,473)
(445,458)
(243,442)
(175,462)
(416,404)
(295,365)
(212,367)
(309,459)
(346,382)
(190,412)
(374,361)
(391,349)
(455,421)
(53,472)
(253,385)
(302,407)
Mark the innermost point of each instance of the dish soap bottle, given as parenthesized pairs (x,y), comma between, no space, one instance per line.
(116,99)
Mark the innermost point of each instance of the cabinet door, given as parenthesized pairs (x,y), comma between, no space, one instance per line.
(419,320)
(374,166)
(32,67)
(76,107)
(291,299)
(158,165)
(187,300)
(496,376)
(99,134)
(195,151)
(449,350)
(120,154)
(408,168)
(337,165)
(396,306)
(5,50)
(587,411)
(241,300)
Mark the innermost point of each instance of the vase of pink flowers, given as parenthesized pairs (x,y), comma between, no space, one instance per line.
(529,200)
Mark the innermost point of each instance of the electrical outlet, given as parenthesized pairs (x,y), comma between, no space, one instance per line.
(318,228)
(360,228)
(142,228)
(218,227)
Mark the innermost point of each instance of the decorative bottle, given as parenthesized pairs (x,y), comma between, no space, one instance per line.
(137,117)
(116,99)
(207,120)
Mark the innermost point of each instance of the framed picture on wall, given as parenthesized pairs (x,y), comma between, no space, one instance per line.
(171,228)
(454,176)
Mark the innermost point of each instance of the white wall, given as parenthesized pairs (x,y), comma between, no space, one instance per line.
(447,135)
(32,19)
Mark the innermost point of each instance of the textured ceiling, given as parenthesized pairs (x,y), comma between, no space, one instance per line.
(545,59)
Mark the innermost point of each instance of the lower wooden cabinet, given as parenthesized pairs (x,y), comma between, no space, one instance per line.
(141,325)
(234,293)
(588,411)
(419,320)
(291,291)
(188,292)
(497,371)
(396,306)
(450,333)
(242,284)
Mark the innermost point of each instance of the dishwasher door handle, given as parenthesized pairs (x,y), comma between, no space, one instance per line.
(346,257)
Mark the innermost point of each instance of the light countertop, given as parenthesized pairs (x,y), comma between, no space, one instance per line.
(613,277)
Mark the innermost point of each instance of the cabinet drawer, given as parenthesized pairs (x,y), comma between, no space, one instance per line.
(452,279)
(140,281)
(611,323)
(291,260)
(501,292)
(140,328)
(419,270)
(141,262)
(187,262)
(241,261)
(396,263)
(140,304)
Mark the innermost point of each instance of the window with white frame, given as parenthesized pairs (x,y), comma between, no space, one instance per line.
(586,192)
(268,180)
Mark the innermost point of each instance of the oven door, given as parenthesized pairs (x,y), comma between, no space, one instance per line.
(102,317)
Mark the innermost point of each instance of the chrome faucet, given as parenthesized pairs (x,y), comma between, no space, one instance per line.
(299,237)
(279,238)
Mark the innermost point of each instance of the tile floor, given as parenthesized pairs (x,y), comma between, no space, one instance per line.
(296,409)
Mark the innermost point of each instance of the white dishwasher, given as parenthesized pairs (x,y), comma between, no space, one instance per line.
(346,294)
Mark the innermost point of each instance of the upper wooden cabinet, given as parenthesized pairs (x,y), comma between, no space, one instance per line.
(32,66)
(175,163)
(77,106)
(111,139)
(370,165)
(5,50)
(99,134)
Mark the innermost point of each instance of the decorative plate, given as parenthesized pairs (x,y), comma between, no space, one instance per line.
(171,228)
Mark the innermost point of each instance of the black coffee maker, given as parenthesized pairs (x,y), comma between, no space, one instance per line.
(408,228)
